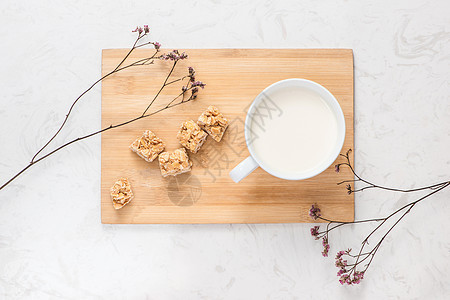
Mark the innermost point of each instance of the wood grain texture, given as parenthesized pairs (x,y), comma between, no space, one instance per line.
(207,195)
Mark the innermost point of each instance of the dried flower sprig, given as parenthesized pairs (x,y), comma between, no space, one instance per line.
(174,55)
(352,273)
(181,98)
(370,185)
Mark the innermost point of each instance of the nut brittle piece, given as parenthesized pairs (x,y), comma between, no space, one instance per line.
(191,136)
(213,122)
(121,193)
(174,163)
(148,146)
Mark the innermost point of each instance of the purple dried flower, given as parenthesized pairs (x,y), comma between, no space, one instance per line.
(314,212)
(191,74)
(343,279)
(174,55)
(138,29)
(194,90)
(339,254)
(337,168)
(341,271)
(346,278)
(340,263)
(357,277)
(157,45)
(315,232)
(146,29)
(326,246)
(198,83)
(184,88)
(349,189)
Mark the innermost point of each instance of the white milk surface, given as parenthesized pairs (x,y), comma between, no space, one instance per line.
(293,131)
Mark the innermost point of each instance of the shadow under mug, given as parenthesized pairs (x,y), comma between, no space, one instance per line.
(252,162)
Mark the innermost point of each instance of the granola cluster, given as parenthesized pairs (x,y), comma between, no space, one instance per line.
(148,146)
(121,193)
(213,122)
(191,136)
(174,163)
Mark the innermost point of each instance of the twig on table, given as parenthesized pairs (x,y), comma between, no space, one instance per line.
(352,273)
(173,56)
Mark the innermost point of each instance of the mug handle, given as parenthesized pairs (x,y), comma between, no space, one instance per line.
(243,169)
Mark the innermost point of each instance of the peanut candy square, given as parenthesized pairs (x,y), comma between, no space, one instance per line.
(191,136)
(148,146)
(213,122)
(121,193)
(174,163)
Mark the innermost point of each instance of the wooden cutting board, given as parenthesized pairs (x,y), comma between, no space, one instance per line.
(207,195)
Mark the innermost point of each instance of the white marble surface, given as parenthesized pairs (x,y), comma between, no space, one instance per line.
(52,244)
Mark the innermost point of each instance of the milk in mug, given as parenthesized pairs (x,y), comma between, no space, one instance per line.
(299,137)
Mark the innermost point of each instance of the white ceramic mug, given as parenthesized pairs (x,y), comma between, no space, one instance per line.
(252,162)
